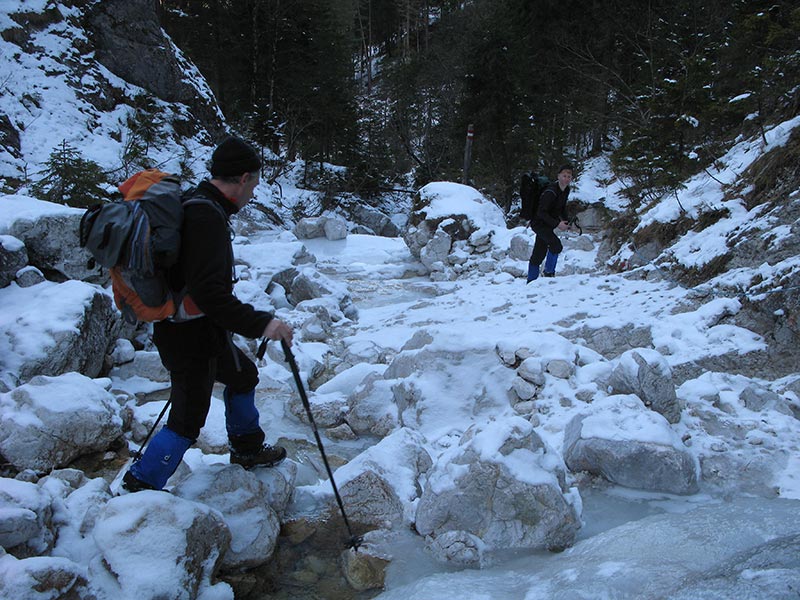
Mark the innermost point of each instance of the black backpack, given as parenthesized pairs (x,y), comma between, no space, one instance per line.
(530,189)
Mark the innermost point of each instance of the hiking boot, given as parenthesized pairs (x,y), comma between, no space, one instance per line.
(267,456)
(546,274)
(131,484)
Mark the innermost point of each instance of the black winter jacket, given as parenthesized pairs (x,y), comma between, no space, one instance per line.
(205,267)
(552,207)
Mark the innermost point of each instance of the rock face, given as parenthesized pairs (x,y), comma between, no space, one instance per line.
(635,450)
(130,43)
(511,496)
(72,416)
(184,540)
(611,342)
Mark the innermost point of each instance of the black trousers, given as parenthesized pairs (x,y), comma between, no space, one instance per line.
(546,239)
(193,374)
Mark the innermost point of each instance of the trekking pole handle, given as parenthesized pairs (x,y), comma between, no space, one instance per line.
(262,349)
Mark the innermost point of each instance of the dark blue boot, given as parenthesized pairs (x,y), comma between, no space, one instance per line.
(159,461)
(550,264)
(533,272)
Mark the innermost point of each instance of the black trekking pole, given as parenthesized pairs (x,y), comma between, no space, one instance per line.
(355,541)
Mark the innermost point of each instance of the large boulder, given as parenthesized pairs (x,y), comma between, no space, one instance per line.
(318,293)
(310,227)
(51,242)
(381,485)
(503,485)
(184,543)
(61,328)
(622,441)
(646,373)
(50,421)
(328,226)
(374,220)
(335,228)
(240,498)
(446,213)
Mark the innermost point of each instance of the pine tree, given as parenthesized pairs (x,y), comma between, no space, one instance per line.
(70,179)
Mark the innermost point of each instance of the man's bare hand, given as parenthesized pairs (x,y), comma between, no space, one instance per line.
(563,226)
(278,330)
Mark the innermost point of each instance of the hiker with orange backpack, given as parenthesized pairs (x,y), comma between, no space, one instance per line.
(198,349)
(551,214)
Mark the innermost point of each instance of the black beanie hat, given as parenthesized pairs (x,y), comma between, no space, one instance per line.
(234,157)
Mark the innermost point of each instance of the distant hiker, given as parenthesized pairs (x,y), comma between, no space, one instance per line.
(199,351)
(551,214)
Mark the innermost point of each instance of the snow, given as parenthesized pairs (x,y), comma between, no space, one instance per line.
(467,319)
(33,317)
(465,386)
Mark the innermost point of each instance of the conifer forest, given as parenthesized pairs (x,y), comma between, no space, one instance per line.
(388,88)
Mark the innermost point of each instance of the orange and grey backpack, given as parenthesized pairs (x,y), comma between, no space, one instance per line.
(138,239)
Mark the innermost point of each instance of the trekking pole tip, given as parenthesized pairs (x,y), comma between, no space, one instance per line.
(355,542)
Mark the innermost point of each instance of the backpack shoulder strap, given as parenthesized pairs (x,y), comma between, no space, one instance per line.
(207,201)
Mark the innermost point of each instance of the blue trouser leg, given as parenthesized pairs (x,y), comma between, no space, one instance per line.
(550,262)
(533,272)
(161,458)
(241,414)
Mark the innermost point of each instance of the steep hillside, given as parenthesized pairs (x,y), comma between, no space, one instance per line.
(732,230)
(102,79)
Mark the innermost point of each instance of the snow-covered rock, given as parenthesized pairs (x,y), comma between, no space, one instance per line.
(26,515)
(382,484)
(521,247)
(647,374)
(43,578)
(13,257)
(183,540)
(619,439)
(503,485)
(446,214)
(50,421)
(239,496)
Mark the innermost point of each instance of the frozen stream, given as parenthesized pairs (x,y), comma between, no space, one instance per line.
(633,544)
